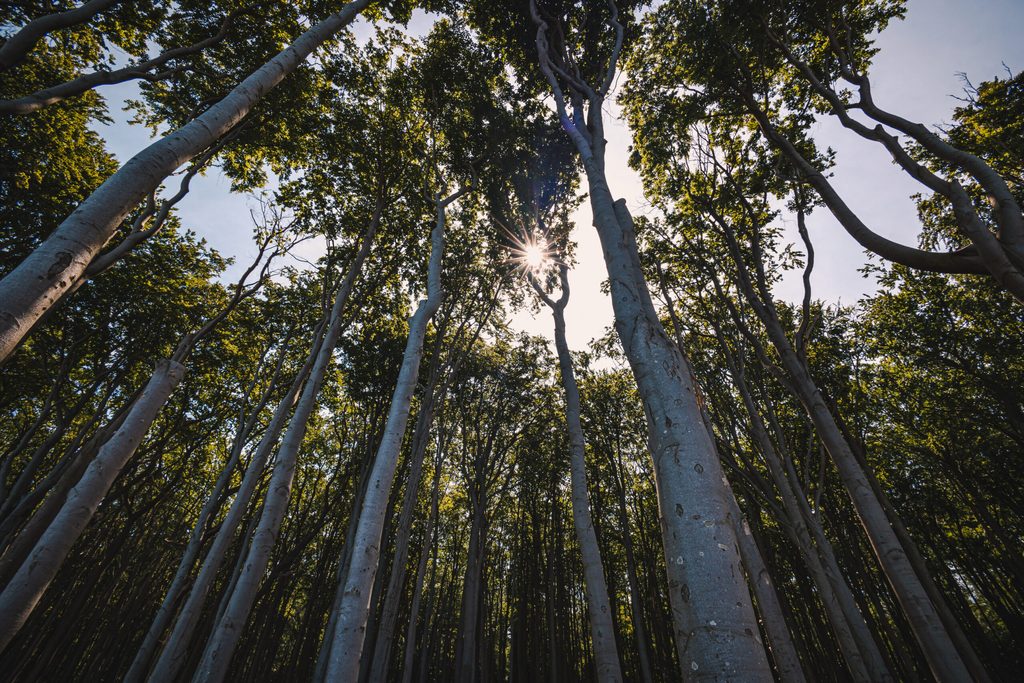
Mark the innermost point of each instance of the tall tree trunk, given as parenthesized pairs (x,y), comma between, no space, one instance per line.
(602,630)
(222,642)
(355,605)
(20,596)
(172,658)
(324,655)
(41,280)
(466,652)
(421,569)
(150,642)
(389,612)
(716,630)
(927,626)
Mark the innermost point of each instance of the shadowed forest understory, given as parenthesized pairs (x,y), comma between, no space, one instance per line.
(331,455)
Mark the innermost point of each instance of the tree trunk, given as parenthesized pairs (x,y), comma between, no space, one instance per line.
(602,630)
(466,653)
(389,612)
(935,642)
(164,614)
(421,569)
(349,632)
(20,596)
(175,649)
(41,280)
(716,629)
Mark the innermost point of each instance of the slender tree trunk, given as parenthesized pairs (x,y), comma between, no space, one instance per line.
(20,596)
(140,664)
(417,595)
(781,642)
(41,280)
(602,630)
(935,642)
(349,630)
(716,630)
(324,655)
(228,629)
(172,658)
(389,612)
(228,626)
(466,669)
(942,655)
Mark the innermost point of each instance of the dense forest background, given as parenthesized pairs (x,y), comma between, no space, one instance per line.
(333,458)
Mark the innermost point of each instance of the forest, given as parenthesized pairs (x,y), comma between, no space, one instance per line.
(331,455)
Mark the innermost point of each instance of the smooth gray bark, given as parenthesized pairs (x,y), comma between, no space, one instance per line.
(466,661)
(42,279)
(716,630)
(429,541)
(349,632)
(20,596)
(779,638)
(936,644)
(19,45)
(602,630)
(164,614)
(389,611)
(860,651)
(222,642)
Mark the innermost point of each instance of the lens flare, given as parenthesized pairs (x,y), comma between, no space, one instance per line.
(532,255)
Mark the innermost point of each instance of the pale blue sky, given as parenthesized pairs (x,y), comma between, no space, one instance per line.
(915,74)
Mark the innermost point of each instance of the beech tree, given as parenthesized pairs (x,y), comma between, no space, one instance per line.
(333,452)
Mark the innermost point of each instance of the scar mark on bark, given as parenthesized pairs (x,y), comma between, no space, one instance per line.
(63,260)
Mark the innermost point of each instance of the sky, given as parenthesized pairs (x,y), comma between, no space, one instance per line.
(916,74)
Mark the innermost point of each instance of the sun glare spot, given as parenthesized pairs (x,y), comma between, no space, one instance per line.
(531,255)
(534,256)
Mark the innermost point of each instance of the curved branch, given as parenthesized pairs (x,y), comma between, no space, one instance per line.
(937,262)
(21,43)
(146,70)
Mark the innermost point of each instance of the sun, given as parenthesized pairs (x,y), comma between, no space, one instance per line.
(534,256)
(531,254)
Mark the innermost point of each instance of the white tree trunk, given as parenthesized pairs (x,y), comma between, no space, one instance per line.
(20,596)
(350,627)
(165,613)
(602,629)
(716,628)
(42,279)
(172,657)
(175,650)
(228,629)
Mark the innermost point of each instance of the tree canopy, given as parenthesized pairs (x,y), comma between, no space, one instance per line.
(354,466)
